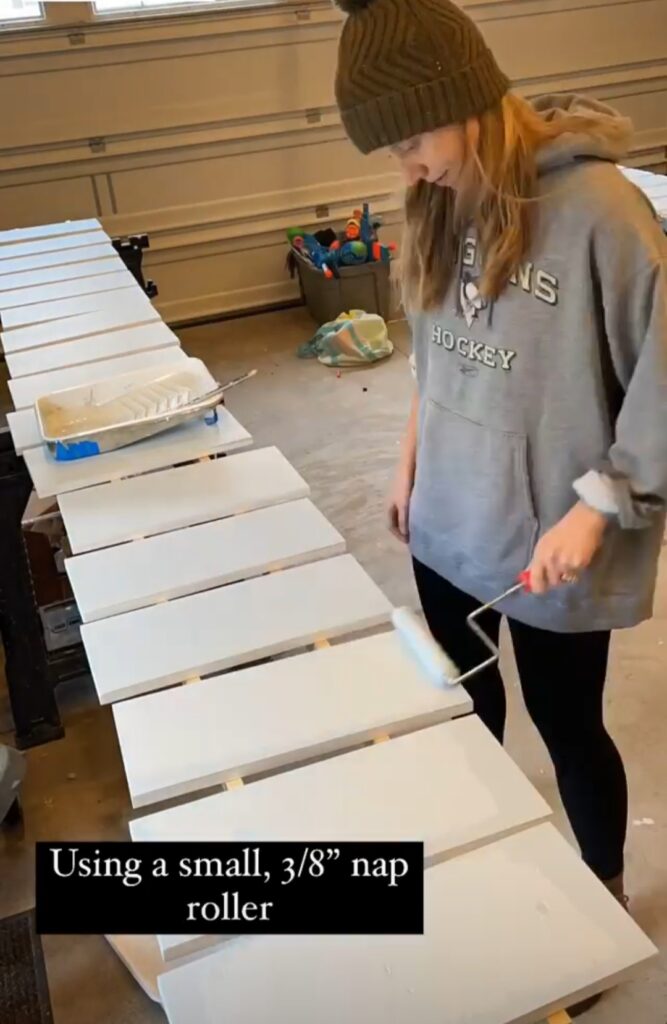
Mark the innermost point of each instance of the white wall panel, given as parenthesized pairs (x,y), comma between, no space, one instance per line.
(219,280)
(152,86)
(215,131)
(647,109)
(24,203)
(270,168)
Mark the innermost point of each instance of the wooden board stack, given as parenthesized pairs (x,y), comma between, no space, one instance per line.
(654,187)
(186,568)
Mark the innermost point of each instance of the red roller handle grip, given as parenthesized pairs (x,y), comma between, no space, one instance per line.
(524,578)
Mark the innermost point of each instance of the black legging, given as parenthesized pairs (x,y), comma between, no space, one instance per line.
(562,679)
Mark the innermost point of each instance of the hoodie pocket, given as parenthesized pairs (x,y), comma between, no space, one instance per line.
(472,500)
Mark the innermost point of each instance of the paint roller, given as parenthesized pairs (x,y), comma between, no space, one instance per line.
(430,656)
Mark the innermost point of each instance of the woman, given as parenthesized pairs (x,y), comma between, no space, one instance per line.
(534,278)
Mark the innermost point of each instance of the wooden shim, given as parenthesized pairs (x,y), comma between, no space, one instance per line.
(184,443)
(513,931)
(57,259)
(276,715)
(65,289)
(26,390)
(176,498)
(55,331)
(172,565)
(43,312)
(50,275)
(91,350)
(29,247)
(34,233)
(219,629)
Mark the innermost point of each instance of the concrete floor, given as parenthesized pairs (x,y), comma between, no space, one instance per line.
(342,434)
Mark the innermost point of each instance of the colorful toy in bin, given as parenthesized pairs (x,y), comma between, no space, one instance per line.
(349,254)
(353,229)
(382,253)
(293,233)
(361,227)
(312,250)
(367,228)
(357,244)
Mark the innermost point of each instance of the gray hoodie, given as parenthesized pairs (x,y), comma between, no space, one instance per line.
(555,392)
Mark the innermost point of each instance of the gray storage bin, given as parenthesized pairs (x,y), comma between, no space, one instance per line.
(364,286)
(62,625)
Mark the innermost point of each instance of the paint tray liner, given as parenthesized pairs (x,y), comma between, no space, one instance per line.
(105,415)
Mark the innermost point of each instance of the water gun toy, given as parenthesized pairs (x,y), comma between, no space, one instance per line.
(312,250)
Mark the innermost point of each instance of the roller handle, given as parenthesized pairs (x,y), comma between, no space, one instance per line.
(524,580)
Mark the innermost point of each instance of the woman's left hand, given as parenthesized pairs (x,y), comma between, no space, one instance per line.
(567,548)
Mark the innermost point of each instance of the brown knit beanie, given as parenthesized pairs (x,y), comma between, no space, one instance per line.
(411,66)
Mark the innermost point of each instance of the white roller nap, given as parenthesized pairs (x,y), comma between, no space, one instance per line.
(275,715)
(51,243)
(65,289)
(90,350)
(143,507)
(514,931)
(55,331)
(49,275)
(219,629)
(26,390)
(182,444)
(57,309)
(136,575)
(68,227)
(450,786)
(58,259)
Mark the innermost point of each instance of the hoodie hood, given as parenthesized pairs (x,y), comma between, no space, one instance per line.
(574,146)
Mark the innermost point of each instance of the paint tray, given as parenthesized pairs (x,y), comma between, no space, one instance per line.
(105,415)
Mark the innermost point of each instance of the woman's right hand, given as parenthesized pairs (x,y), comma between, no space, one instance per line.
(399,503)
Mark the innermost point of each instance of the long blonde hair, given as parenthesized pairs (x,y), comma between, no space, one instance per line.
(496,195)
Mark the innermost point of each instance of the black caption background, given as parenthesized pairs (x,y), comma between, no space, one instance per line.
(333,902)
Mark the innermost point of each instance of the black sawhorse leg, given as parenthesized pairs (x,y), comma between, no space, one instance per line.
(31,694)
(130,251)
